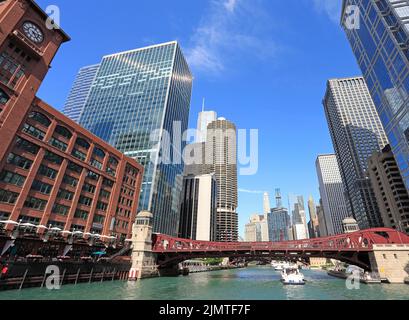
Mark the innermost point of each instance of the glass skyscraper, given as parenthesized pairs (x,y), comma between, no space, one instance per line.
(356,133)
(334,205)
(135,94)
(380,42)
(79,92)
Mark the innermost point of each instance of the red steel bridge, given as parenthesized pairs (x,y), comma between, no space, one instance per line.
(353,248)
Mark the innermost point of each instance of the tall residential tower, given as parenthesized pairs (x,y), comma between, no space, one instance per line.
(221,159)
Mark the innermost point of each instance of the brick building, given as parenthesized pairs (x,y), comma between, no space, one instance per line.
(53,173)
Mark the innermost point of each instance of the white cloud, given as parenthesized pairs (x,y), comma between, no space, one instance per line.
(251,191)
(332,8)
(228,29)
(230,5)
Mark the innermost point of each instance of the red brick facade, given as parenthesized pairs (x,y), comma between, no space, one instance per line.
(52,171)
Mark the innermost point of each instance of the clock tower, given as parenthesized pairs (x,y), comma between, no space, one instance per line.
(27,48)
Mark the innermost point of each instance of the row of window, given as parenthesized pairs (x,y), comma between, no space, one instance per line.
(44,121)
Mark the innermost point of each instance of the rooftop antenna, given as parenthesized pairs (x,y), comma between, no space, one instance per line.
(203,105)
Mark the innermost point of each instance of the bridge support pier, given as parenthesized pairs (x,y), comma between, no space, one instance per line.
(143,259)
(390,261)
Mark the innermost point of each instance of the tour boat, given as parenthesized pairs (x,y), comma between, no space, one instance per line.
(292,276)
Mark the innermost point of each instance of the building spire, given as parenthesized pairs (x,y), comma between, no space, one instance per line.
(203,105)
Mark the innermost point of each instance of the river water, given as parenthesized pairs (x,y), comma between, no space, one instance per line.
(258,283)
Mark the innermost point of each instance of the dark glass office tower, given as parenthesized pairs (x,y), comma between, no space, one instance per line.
(135,94)
(356,133)
(380,42)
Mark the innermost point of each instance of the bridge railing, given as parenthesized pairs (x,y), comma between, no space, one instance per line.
(361,240)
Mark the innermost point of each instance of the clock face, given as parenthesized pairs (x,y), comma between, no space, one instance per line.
(33,32)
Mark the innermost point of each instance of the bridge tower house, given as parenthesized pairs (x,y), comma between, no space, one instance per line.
(390,261)
(143,259)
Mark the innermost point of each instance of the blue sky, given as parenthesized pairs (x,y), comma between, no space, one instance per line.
(263,64)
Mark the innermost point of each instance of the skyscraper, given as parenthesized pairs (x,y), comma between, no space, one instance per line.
(79,92)
(139,103)
(266,203)
(221,158)
(198,208)
(390,191)
(204,119)
(278,221)
(256,230)
(356,133)
(299,219)
(321,221)
(385,30)
(313,224)
(333,207)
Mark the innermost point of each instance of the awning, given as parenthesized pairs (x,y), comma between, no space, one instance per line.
(9,222)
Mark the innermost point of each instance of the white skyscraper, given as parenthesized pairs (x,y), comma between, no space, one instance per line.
(266,203)
(332,193)
(204,119)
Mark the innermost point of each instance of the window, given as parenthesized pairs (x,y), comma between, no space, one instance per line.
(40,118)
(8,196)
(56,224)
(104,194)
(70,181)
(4,98)
(78,154)
(113,161)
(4,216)
(9,68)
(65,194)
(81,214)
(60,209)
(63,132)
(98,152)
(36,204)
(58,144)
(92,175)
(18,161)
(12,178)
(52,157)
(26,146)
(47,172)
(102,206)
(111,172)
(41,187)
(98,219)
(27,219)
(108,183)
(96,164)
(77,227)
(32,131)
(88,188)
(85,201)
(74,167)
(82,143)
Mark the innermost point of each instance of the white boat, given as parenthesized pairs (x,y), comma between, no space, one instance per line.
(292,276)
(279,266)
